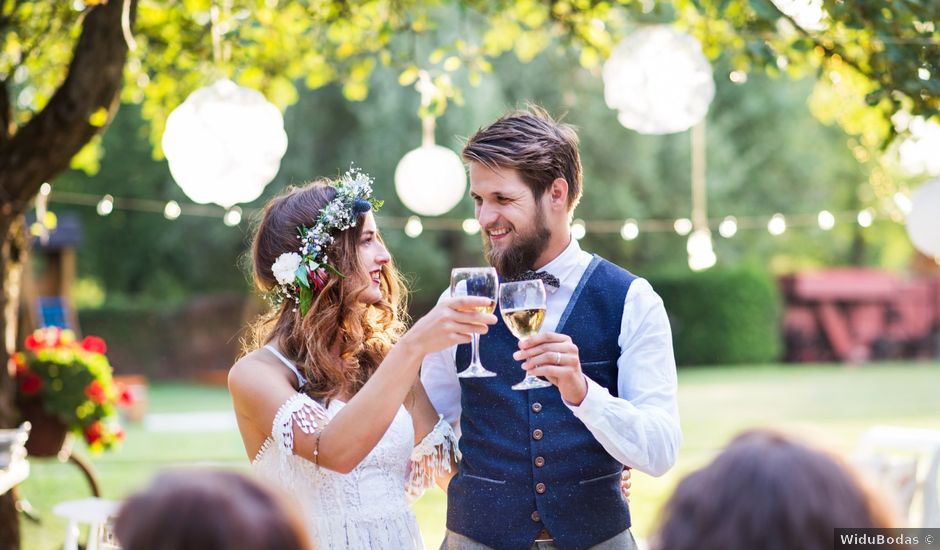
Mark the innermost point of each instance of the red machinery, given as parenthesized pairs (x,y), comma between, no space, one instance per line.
(860,314)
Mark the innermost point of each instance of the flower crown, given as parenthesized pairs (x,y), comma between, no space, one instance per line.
(302,274)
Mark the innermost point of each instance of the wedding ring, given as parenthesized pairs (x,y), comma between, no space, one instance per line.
(558,358)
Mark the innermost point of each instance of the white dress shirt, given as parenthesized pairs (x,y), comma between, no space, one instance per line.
(640,427)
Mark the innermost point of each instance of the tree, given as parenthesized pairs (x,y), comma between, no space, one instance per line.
(63,64)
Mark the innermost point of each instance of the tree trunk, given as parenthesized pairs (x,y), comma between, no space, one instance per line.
(12,259)
(36,153)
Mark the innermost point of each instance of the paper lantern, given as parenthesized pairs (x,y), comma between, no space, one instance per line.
(224,144)
(430,180)
(923,222)
(659,81)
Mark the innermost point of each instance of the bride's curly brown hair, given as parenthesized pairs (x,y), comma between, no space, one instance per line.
(341,341)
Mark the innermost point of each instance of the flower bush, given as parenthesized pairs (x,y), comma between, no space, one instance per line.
(71,380)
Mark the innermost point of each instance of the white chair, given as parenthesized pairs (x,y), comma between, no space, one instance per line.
(97,513)
(906,461)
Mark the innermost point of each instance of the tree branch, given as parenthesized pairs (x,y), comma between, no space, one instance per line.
(43,147)
(6,112)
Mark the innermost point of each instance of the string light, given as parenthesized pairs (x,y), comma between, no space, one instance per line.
(630,230)
(172,210)
(471,226)
(826,220)
(683,226)
(578,229)
(233,216)
(105,205)
(728,227)
(777,224)
(413,227)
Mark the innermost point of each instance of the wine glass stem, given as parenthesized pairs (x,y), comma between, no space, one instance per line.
(475,347)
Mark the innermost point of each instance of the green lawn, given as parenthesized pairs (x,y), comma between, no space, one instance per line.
(830,404)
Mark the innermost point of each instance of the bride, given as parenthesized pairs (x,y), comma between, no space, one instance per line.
(328,402)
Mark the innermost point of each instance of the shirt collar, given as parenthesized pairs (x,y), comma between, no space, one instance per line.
(563,264)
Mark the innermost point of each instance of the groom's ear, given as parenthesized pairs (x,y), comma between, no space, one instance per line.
(558,193)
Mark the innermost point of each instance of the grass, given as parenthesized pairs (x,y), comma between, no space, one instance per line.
(831,404)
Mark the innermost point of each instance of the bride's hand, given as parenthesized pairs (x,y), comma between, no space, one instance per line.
(451,322)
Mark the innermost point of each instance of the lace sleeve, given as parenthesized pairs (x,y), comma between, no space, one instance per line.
(431,458)
(300,411)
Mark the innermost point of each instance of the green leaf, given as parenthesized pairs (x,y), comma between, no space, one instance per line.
(306,299)
(452,63)
(98,118)
(334,271)
(408,76)
(301,275)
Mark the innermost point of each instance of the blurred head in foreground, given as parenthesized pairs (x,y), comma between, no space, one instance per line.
(208,510)
(768,490)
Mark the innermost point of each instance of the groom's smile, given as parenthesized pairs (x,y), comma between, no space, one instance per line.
(514,227)
(498,234)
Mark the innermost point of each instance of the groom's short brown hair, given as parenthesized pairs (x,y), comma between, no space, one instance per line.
(535,145)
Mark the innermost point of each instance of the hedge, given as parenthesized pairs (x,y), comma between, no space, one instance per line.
(722,316)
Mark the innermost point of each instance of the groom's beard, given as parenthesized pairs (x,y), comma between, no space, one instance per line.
(525,249)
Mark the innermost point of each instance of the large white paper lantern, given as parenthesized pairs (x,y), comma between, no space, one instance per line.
(659,81)
(224,144)
(919,154)
(430,180)
(923,222)
(807,14)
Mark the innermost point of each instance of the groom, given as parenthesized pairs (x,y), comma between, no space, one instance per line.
(541,468)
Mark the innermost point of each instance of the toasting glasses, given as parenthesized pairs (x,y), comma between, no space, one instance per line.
(522,305)
(475,281)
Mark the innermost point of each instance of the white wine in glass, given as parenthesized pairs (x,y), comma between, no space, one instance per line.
(522,305)
(475,281)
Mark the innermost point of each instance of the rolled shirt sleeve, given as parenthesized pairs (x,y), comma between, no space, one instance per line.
(639,427)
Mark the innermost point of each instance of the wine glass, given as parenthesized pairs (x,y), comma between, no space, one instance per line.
(475,281)
(522,305)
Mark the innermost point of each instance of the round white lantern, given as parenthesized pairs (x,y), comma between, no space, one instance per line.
(923,222)
(919,154)
(224,144)
(808,14)
(430,180)
(659,81)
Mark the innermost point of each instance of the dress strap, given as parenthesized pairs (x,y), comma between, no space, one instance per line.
(300,378)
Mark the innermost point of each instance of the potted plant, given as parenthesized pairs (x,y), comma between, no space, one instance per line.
(65,385)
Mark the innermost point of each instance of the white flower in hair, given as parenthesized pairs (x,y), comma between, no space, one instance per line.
(285,267)
(301,276)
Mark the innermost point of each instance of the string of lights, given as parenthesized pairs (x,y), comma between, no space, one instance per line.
(629,229)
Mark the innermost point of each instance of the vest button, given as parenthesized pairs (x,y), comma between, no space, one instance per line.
(536,517)
(540,488)
(537,434)
(539,461)
(536,407)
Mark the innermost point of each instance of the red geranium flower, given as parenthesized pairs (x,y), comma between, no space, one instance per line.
(19,364)
(94,432)
(32,343)
(125,396)
(94,344)
(30,383)
(95,392)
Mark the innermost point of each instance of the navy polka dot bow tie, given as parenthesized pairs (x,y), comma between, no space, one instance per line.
(547,278)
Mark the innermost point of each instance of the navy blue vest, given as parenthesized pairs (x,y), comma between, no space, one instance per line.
(528,463)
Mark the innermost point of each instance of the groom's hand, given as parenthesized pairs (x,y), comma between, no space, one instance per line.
(555,357)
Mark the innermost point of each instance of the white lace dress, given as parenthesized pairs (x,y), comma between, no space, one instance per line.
(368,507)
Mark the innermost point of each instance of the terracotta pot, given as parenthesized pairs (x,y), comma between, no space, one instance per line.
(48,432)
